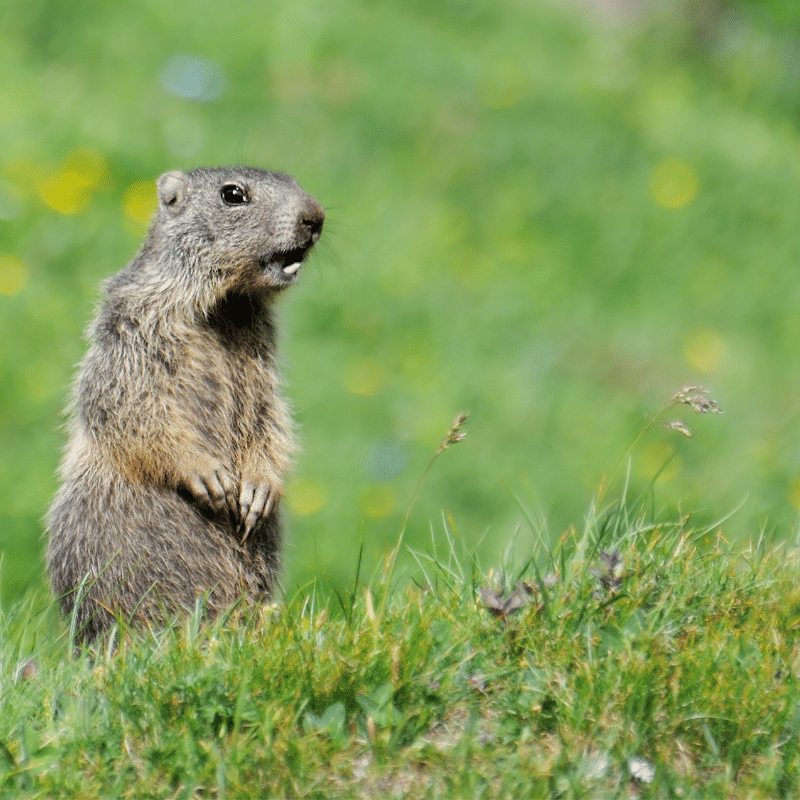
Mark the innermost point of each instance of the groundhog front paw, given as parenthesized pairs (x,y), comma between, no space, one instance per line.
(215,490)
(255,503)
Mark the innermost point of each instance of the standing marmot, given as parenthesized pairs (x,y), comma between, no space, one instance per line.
(179,438)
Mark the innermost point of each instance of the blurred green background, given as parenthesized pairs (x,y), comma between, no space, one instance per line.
(550,214)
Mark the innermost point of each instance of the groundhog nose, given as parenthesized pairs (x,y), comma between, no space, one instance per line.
(313,227)
(311,220)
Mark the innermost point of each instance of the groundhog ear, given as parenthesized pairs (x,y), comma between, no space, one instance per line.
(173,188)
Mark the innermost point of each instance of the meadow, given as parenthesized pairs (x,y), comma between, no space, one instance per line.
(551,215)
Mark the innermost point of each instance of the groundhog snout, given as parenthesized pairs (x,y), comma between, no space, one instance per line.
(311,219)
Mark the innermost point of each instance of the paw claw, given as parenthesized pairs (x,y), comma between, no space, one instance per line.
(215,490)
(255,503)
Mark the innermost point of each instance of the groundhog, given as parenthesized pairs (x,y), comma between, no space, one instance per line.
(179,438)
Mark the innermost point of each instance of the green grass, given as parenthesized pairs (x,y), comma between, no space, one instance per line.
(675,659)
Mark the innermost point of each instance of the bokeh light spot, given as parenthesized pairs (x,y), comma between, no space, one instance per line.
(704,350)
(193,77)
(139,201)
(673,184)
(13,275)
(386,460)
(306,496)
(68,190)
(377,501)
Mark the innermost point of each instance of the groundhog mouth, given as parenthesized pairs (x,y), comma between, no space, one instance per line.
(286,264)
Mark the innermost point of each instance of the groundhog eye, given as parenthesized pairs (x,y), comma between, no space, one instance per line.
(233,195)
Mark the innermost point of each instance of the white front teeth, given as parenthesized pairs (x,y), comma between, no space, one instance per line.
(291,269)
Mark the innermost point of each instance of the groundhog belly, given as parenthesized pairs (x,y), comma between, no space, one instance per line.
(117,546)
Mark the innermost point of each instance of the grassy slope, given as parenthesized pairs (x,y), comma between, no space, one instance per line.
(679,661)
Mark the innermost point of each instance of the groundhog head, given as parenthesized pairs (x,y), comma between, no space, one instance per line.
(252,226)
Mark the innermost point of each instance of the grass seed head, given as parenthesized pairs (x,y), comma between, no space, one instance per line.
(454,435)
(675,425)
(698,398)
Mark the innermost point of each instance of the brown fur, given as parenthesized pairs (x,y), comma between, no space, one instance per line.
(179,439)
